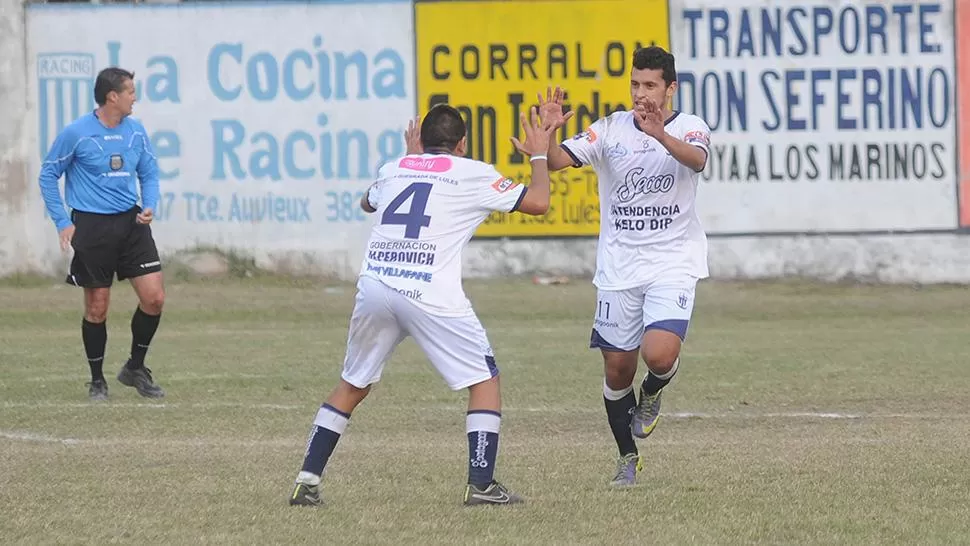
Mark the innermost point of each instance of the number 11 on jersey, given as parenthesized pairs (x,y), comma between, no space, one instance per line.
(603,309)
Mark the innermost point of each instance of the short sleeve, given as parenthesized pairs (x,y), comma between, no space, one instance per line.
(697,133)
(497,192)
(375,191)
(586,148)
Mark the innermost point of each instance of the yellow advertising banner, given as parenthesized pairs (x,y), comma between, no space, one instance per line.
(489,59)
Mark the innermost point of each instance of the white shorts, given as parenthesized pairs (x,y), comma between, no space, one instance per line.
(622,316)
(456,346)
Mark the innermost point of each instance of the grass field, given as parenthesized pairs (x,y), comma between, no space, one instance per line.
(802,414)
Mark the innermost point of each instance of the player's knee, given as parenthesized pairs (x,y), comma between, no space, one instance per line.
(153,302)
(345,397)
(661,346)
(660,360)
(96,315)
(353,390)
(96,306)
(619,369)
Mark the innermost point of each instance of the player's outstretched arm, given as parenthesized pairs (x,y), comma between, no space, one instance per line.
(550,111)
(535,201)
(558,158)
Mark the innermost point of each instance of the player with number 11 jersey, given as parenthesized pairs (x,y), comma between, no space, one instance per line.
(652,249)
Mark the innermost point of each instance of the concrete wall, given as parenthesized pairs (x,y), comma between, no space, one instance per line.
(911,258)
(906,230)
(14,185)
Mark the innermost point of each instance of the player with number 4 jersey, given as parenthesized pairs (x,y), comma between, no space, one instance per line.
(652,249)
(429,204)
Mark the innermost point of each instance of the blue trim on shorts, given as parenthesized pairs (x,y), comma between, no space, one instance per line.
(674,326)
(492,367)
(596,341)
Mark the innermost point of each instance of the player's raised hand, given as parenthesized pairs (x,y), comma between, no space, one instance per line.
(412,137)
(650,118)
(550,108)
(537,134)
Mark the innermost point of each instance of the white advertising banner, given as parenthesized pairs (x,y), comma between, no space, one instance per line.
(268,121)
(827,116)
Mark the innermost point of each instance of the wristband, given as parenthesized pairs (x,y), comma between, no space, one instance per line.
(535,157)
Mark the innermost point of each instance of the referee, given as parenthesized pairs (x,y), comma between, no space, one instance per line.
(101,155)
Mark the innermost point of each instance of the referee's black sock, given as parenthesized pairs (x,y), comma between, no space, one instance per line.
(143,327)
(95,338)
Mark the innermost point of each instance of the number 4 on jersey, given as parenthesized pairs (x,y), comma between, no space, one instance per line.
(415,218)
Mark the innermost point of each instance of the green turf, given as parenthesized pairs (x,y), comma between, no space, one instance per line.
(803,413)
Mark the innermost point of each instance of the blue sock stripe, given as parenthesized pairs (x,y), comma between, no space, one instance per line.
(335,410)
(484,412)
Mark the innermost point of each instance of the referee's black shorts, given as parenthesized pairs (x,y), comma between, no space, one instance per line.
(106,245)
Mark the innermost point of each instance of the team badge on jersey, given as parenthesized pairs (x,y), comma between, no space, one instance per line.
(697,137)
(503,185)
(616,151)
(117,162)
(588,134)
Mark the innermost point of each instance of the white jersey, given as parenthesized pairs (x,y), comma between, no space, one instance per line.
(648,222)
(428,207)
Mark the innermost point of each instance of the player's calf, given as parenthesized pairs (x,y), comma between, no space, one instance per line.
(328,426)
(661,353)
(482,424)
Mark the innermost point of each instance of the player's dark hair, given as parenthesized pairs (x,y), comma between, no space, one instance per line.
(110,79)
(656,58)
(442,128)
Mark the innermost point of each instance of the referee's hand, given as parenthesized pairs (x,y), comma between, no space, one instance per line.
(145,216)
(66,235)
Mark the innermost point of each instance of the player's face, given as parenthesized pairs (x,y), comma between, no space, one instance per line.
(125,99)
(649,83)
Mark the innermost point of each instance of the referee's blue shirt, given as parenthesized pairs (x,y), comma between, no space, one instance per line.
(101,167)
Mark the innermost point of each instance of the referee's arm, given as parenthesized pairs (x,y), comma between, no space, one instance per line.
(58,158)
(148,177)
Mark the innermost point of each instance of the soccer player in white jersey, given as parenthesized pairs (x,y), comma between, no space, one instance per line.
(428,206)
(652,249)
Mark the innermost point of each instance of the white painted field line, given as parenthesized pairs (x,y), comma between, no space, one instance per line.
(728,415)
(188,376)
(784,415)
(34,437)
(159,405)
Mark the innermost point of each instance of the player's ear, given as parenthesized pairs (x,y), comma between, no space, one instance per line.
(462,148)
(671,91)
